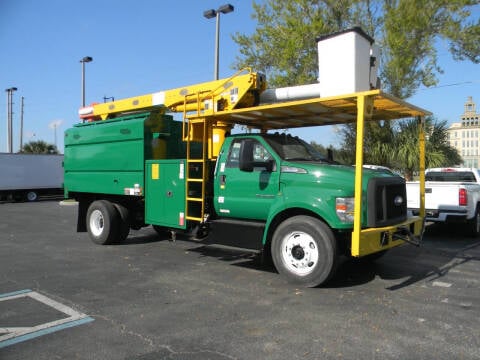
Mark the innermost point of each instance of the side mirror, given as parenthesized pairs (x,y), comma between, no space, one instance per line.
(246,156)
(330,154)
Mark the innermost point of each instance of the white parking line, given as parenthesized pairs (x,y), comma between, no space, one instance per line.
(13,335)
(441,284)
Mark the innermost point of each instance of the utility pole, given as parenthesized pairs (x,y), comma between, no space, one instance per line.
(21,125)
(9,119)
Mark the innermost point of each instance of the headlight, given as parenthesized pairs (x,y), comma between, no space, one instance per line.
(344,208)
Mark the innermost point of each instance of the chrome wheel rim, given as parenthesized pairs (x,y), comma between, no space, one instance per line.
(96,222)
(299,253)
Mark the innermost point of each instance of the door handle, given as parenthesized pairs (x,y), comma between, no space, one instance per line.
(223,179)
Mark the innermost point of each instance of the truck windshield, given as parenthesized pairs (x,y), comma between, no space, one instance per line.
(294,148)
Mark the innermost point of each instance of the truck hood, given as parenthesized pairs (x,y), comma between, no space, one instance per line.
(340,174)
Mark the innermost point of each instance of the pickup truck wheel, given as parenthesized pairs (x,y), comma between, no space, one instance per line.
(304,251)
(473,228)
(103,222)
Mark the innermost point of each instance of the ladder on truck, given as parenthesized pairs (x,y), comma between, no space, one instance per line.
(196,164)
(197,128)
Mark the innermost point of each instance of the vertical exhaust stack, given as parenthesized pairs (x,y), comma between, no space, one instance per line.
(347,63)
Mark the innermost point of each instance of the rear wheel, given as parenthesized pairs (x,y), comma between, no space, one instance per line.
(473,225)
(124,229)
(103,222)
(304,251)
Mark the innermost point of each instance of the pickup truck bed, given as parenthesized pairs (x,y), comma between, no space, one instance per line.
(452,195)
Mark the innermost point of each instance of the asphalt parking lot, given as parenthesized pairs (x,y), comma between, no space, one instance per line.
(63,297)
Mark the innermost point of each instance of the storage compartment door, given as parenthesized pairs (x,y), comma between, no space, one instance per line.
(165,193)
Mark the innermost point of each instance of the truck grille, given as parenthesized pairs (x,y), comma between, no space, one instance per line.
(387,201)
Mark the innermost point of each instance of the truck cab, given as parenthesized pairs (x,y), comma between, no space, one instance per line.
(260,176)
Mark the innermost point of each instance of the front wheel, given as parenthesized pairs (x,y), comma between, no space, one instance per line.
(304,250)
(32,196)
(103,222)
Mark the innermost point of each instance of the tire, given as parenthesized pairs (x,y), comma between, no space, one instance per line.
(473,225)
(103,222)
(124,229)
(31,196)
(304,250)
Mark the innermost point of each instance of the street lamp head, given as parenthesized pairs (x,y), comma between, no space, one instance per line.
(11,89)
(209,13)
(225,9)
(86,59)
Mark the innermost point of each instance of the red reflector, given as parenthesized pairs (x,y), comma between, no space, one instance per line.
(462,197)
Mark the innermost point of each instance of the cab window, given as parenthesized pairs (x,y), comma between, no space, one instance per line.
(262,158)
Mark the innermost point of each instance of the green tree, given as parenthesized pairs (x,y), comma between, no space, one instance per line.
(283,46)
(284,42)
(39,147)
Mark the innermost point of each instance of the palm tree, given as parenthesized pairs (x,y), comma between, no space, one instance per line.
(39,147)
(438,151)
(377,143)
(396,145)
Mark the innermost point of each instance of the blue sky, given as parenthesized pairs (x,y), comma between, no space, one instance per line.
(140,47)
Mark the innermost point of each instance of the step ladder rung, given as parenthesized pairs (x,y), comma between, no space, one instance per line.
(194,199)
(194,218)
(194,180)
(195,161)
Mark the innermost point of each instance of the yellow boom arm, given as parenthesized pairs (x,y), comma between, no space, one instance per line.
(238,91)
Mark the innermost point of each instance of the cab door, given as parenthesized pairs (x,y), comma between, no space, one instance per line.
(246,194)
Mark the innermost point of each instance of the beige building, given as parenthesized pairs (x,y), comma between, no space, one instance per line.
(464,135)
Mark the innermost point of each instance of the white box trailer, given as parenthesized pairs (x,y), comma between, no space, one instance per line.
(27,176)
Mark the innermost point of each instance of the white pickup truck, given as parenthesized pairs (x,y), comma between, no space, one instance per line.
(452,195)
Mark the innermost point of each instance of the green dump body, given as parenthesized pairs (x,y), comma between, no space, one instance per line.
(108,157)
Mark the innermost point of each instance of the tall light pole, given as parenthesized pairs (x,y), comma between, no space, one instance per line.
(86,59)
(21,124)
(209,14)
(9,118)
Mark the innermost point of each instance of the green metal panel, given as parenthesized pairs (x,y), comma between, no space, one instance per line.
(165,193)
(109,156)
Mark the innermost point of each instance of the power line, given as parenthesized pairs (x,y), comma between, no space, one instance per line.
(449,85)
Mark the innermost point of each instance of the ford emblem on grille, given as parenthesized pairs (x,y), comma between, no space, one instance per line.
(398,201)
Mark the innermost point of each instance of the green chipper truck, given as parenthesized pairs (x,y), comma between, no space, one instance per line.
(129,165)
